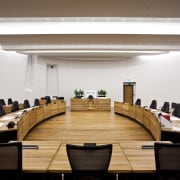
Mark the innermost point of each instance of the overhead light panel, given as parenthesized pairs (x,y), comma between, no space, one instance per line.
(93,26)
(92,51)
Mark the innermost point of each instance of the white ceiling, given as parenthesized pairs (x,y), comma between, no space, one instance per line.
(89,43)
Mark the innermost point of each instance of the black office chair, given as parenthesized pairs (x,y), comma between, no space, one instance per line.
(26,104)
(2,111)
(90,97)
(165,107)
(89,161)
(176,111)
(2,102)
(11,160)
(36,102)
(10,101)
(15,106)
(167,158)
(48,99)
(153,104)
(173,105)
(138,102)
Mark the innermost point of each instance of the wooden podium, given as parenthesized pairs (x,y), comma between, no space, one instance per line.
(98,104)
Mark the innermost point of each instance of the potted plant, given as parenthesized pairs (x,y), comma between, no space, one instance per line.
(104,93)
(78,93)
(101,93)
(81,93)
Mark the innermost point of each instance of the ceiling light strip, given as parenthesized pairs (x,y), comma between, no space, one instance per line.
(93,51)
(16,28)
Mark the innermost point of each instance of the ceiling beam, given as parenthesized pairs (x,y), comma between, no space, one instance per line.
(90,39)
(90,8)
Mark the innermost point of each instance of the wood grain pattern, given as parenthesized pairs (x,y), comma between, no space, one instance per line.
(142,115)
(38,160)
(97,104)
(32,116)
(141,160)
(89,126)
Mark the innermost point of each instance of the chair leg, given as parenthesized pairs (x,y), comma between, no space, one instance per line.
(62,176)
(117,176)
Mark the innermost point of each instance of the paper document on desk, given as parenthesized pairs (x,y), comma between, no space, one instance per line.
(20,112)
(165,123)
(154,111)
(174,118)
(7,118)
(28,109)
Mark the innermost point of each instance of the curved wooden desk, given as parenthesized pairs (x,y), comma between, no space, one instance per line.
(141,115)
(26,119)
(8,108)
(38,114)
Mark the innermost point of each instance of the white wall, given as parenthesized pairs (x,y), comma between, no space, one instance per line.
(12,75)
(156,77)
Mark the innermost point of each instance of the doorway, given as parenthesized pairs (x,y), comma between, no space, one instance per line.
(128,92)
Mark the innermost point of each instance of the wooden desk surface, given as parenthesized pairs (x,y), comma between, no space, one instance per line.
(52,157)
(4,120)
(141,160)
(38,160)
(175,121)
(26,119)
(14,116)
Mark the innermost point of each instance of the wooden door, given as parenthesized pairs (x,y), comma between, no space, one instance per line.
(128,93)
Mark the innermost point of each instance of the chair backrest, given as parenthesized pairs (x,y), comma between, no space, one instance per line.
(89,159)
(138,102)
(2,111)
(90,97)
(11,160)
(26,104)
(2,102)
(165,107)
(15,106)
(36,102)
(173,105)
(176,111)
(153,104)
(10,101)
(167,158)
(48,99)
